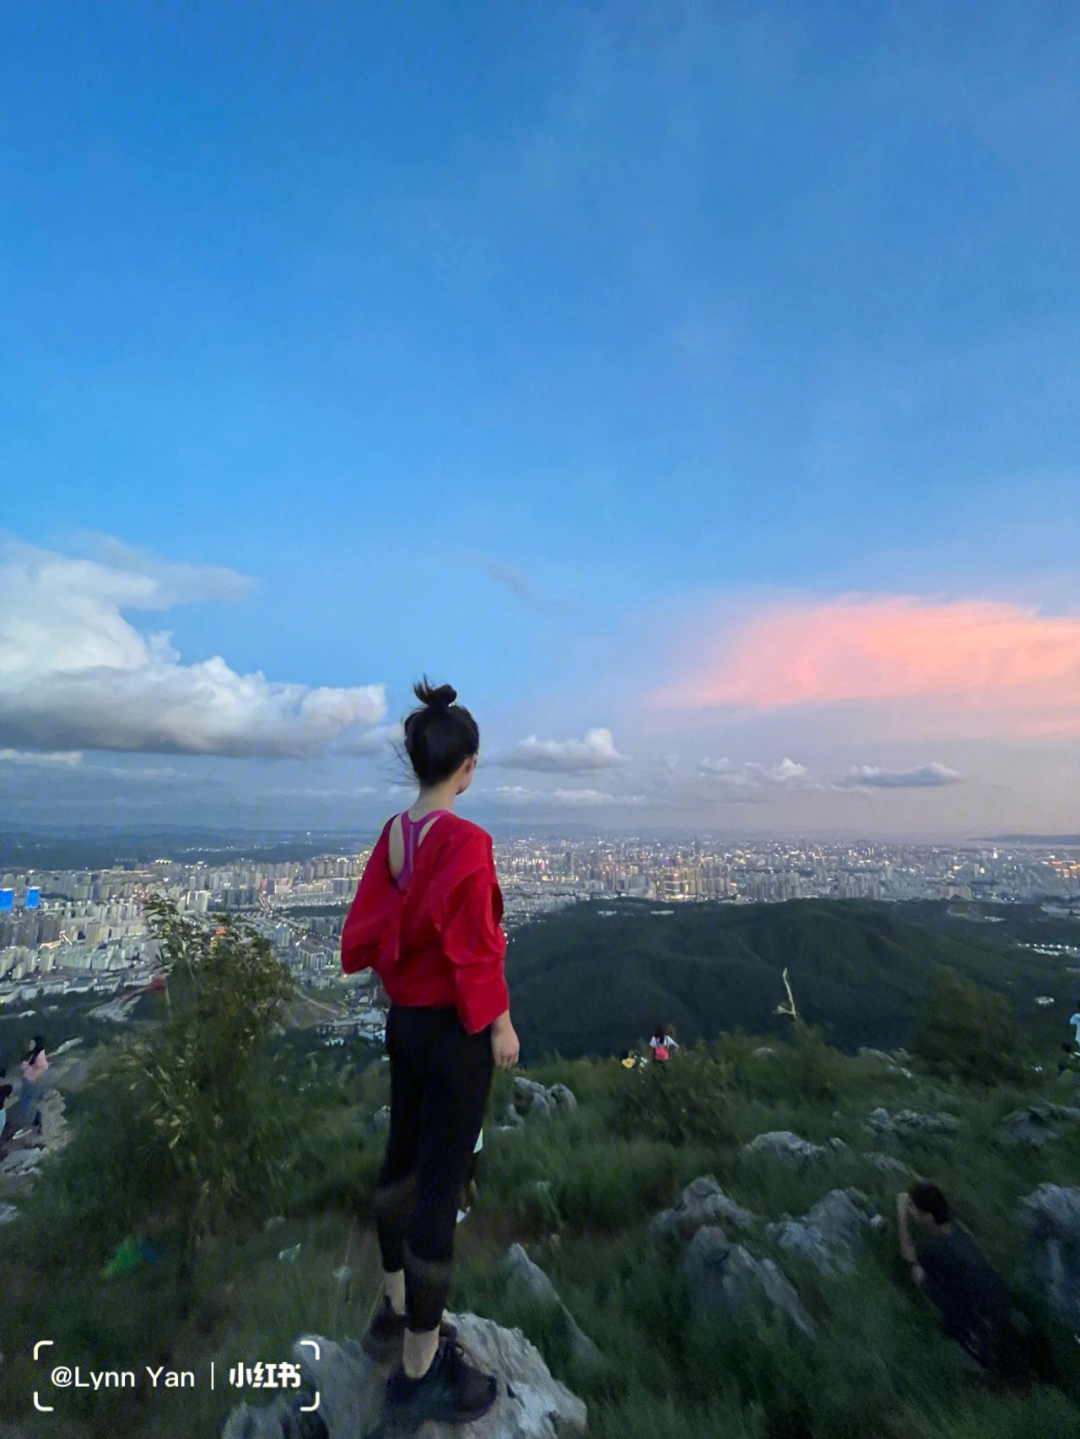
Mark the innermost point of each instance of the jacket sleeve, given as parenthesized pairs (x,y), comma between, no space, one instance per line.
(372,929)
(470,928)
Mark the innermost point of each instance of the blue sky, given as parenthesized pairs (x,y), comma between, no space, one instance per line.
(548,348)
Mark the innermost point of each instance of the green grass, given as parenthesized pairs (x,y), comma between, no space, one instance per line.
(581,1189)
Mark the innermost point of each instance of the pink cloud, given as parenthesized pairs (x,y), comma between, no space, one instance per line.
(978,656)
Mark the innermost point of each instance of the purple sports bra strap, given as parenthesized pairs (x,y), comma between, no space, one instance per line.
(411,831)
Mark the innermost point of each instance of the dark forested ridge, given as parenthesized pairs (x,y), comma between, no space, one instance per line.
(588,983)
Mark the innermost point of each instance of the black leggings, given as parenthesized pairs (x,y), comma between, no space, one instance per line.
(439,1082)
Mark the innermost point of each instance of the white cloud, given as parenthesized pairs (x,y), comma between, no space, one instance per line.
(927,776)
(717,766)
(750,776)
(142,774)
(593,796)
(515,794)
(66,759)
(786,772)
(569,798)
(382,737)
(596,751)
(74,673)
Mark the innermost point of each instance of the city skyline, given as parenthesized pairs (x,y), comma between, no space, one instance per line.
(691,387)
(73,929)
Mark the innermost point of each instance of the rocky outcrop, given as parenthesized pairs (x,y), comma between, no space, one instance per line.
(21,1163)
(31,1146)
(726,1277)
(531,1404)
(1050,1218)
(701,1202)
(1038,1124)
(831,1235)
(887,1164)
(791,1149)
(909,1124)
(529,1280)
(532,1101)
(890,1061)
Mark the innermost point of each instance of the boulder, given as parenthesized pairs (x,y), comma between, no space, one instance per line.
(701,1202)
(880,1124)
(911,1124)
(726,1277)
(1050,1218)
(280,1419)
(831,1235)
(887,1164)
(351,1389)
(54,1127)
(763,1051)
(380,1120)
(1038,1124)
(564,1097)
(21,1163)
(531,1100)
(790,1148)
(529,1280)
(865,1052)
(7,1213)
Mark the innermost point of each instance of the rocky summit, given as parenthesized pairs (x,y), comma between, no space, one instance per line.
(351,1389)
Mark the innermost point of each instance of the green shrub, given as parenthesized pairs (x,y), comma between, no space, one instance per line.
(970,1032)
(684,1101)
(210,1132)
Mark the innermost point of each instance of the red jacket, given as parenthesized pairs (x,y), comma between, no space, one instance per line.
(441,942)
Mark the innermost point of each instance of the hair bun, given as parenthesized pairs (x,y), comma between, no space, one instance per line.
(440,698)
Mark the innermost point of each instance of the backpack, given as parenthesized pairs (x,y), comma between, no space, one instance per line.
(661,1051)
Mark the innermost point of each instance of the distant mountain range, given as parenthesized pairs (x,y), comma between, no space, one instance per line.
(596,978)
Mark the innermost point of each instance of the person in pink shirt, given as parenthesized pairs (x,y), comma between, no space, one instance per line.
(34,1067)
(36,1062)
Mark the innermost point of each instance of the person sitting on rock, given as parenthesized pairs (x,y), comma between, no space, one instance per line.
(427,918)
(951,1270)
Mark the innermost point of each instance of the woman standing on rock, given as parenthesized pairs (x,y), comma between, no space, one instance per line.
(427,918)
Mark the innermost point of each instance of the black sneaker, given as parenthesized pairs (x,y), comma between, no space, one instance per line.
(452,1391)
(384,1339)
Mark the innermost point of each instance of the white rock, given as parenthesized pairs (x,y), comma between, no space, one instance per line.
(1050,1217)
(790,1148)
(531,1404)
(726,1276)
(531,1281)
(832,1234)
(703,1201)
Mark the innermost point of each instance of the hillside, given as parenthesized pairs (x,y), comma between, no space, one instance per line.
(226,1211)
(588,983)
